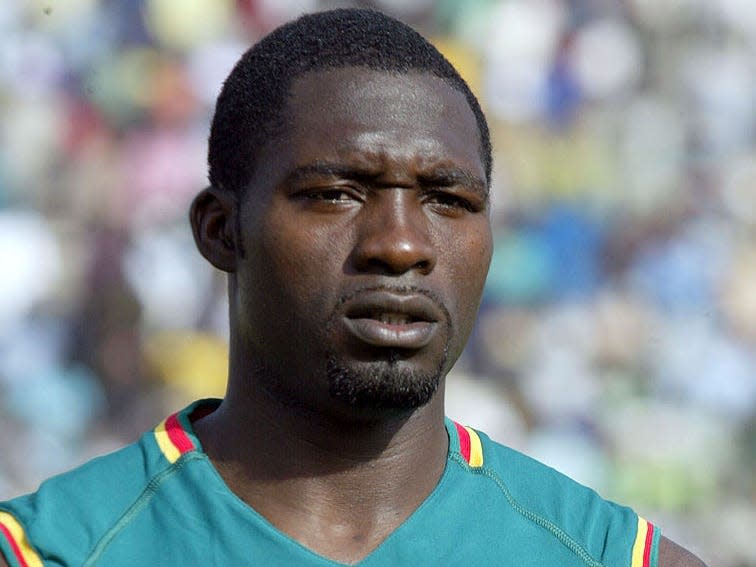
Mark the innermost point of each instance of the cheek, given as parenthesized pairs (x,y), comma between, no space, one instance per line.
(305,262)
(470,257)
(471,253)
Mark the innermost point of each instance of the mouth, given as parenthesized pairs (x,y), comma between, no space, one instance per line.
(392,318)
(392,321)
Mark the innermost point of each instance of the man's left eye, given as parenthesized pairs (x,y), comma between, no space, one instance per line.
(450,201)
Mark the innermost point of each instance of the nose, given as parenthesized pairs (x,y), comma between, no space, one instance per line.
(394,236)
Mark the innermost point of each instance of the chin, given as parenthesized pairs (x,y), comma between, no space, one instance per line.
(391,384)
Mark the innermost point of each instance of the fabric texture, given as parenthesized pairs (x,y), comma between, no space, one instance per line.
(160,501)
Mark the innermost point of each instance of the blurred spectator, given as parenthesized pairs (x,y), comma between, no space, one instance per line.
(618,329)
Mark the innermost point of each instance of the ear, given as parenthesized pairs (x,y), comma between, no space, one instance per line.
(212,217)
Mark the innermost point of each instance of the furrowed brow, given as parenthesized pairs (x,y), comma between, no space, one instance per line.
(439,177)
(326,169)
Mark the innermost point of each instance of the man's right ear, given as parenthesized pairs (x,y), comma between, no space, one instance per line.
(212,218)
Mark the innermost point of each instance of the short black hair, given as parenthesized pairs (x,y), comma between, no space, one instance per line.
(249,107)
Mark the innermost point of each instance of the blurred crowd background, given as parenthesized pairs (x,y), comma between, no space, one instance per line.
(617,337)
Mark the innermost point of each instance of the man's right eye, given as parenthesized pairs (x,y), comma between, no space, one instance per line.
(329,195)
(328,198)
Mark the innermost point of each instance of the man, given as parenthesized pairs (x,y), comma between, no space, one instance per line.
(349,170)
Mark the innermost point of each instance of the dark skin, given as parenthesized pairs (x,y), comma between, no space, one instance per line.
(353,196)
(377,182)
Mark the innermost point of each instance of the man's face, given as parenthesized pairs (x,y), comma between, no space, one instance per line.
(367,242)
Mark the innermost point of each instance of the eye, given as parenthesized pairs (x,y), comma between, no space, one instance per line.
(331,195)
(448,202)
(328,198)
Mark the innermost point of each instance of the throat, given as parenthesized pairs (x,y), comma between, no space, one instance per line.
(339,504)
(347,538)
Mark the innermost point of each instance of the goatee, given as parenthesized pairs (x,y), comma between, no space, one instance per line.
(383,384)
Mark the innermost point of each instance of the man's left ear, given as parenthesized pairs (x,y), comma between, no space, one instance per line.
(212,218)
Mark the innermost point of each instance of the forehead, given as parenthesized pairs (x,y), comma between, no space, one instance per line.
(379,113)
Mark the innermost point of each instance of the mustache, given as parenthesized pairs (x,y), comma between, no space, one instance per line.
(399,290)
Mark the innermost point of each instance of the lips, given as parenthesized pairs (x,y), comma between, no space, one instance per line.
(391,320)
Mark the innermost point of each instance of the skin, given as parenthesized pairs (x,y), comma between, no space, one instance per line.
(401,203)
(402,206)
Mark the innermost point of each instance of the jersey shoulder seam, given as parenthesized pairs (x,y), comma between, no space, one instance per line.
(141,502)
(531,516)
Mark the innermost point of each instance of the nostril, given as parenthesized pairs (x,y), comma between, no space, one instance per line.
(381,265)
(423,266)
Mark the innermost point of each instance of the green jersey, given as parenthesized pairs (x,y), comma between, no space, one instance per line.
(161,501)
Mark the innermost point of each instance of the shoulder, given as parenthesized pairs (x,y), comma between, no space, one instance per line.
(597,530)
(549,492)
(70,514)
(72,510)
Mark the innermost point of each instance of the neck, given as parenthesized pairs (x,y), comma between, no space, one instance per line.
(337,486)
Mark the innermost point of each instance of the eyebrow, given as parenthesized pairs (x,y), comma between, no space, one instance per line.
(327,169)
(450,176)
(441,177)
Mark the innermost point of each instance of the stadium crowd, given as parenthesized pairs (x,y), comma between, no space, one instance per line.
(617,336)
